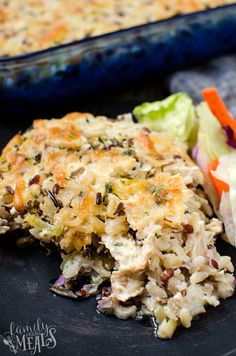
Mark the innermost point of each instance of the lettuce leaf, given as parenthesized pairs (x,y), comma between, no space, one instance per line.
(175,115)
(211,137)
(226,172)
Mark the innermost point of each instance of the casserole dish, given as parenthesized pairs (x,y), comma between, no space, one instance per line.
(35,80)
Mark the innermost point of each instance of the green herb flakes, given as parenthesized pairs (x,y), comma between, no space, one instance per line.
(118,244)
(108,188)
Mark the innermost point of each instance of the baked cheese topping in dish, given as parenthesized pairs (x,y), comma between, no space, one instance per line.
(32,25)
(126,209)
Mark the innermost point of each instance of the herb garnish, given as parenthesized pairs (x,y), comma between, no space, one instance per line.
(159,193)
(156,189)
(101,140)
(118,244)
(108,188)
(72,135)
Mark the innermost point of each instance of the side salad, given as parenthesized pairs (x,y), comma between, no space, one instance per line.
(209,132)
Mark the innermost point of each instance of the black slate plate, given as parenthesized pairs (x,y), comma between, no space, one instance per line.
(80,330)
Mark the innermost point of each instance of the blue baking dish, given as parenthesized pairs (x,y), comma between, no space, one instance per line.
(89,66)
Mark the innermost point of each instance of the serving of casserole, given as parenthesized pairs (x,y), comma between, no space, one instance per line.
(124,205)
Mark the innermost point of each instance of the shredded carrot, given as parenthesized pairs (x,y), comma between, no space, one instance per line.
(219,185)
(218,108)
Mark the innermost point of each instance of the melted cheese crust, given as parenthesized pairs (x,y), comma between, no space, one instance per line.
(81,156)
(32,25)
